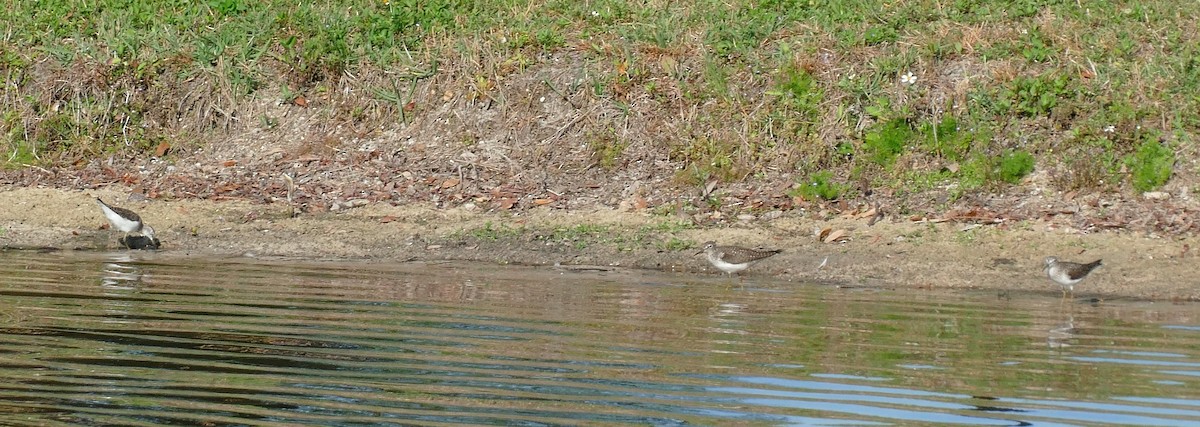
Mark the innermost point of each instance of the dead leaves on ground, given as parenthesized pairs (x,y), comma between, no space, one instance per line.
(873,213)
(975,215)
(830,235)
(506,203)
(633,203)
(507,198)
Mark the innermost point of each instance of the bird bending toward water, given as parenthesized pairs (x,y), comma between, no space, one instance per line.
(732,259)
(1067,274)
(125,220)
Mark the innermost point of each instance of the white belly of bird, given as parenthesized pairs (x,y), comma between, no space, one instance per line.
(727,267)
(120,222)
(1060,277)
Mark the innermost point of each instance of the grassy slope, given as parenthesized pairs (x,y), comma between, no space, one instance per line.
(968,94)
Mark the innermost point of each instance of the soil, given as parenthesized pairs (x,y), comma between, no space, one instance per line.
(1006,256)
(533,175)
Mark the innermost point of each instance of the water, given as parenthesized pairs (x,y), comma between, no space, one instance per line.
(147,339)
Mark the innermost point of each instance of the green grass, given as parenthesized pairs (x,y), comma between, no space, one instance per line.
(819,186)
(580,236)
(749,87)
(490,232)
(944,139)
(1151,165)
(663,235)
(607,149)
(887,140)
(1032,96)
(1014,165)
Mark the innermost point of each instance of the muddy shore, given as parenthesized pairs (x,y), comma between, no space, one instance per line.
(892,252)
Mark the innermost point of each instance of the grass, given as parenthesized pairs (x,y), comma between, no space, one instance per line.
(607,149)
(663,235)
(580,236)
(819,186)
(1151,165)
(725,90)
(491,232)
(887,140)
(944,139)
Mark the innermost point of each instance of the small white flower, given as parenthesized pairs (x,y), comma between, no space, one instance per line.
(1110,129)
(908,78)
(595,13)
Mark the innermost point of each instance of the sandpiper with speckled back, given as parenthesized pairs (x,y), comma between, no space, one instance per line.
(732,259)
(1067,274)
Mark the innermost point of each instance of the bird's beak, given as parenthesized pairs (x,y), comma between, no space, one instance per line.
(698,253)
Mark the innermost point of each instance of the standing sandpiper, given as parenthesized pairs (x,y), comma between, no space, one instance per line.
(732,259)
(127,221)
(1067,274)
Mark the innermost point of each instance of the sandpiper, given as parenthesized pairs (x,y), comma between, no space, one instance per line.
(732,259)
(1067,274)
(125,220)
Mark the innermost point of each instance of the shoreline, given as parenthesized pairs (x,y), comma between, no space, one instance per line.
(891,253)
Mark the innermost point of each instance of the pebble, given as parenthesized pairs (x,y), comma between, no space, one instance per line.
(1156,195)
(348,204)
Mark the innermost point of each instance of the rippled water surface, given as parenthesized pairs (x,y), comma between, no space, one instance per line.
(134,338)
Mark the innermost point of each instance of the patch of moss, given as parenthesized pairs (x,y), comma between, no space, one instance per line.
(1151,165)
(945,140)
(707,159)
(1010,167)
(819,186)
(887,140)
(607,149)
(799,90)
(1014,165)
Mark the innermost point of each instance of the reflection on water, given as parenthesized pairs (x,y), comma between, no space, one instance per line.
(134,338)
(1061,335)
